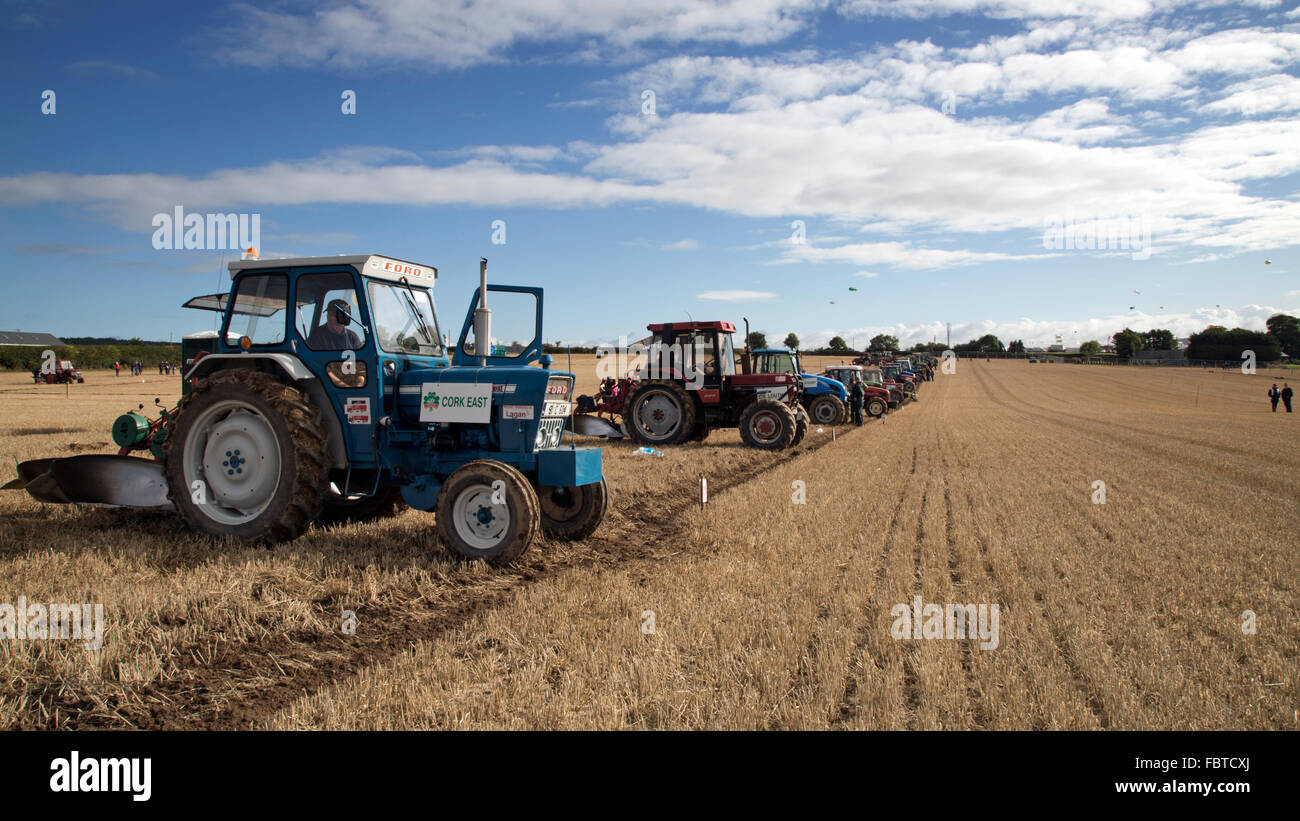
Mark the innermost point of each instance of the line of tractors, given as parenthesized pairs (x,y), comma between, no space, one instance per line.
(330,394)
(684,381)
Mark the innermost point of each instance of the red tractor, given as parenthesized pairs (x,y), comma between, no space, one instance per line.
(688,385)
(57,372)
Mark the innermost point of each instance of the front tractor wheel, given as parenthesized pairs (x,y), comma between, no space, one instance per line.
(573,513)
(659,413)
(826,410)
(877,406)
(768,424)
(488,510)
(245,458)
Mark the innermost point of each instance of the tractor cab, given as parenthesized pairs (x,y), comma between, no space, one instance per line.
(699,353)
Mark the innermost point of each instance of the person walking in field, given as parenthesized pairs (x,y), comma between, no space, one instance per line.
(856,396)
(1287,393)
(1273,395)
(117,369)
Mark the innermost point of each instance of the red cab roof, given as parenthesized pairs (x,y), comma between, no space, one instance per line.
(716,325)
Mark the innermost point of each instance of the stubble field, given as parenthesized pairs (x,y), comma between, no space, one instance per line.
(766,613)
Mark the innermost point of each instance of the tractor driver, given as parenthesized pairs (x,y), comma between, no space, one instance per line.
(335,335)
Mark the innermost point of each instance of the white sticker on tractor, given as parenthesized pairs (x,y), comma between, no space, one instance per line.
(357,410)
(453,402)
(516,411)
(556,409)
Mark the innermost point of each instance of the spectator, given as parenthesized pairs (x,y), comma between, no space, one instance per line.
(856,396)
(117,368)
(1287,393)
(1273,395)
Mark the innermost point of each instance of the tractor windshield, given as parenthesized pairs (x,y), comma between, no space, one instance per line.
(776,363)
(397,326)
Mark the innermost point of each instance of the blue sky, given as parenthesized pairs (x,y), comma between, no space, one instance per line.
(925,147)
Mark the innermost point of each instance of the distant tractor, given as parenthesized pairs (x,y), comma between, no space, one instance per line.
(825,399)
(329,395)
(894,373)
(689,385)
(876,399)
(57,372)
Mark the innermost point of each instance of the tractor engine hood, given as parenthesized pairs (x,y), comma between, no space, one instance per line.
(813,382)
(482,395)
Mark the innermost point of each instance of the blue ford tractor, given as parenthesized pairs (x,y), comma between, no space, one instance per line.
(330,394)
(826,400)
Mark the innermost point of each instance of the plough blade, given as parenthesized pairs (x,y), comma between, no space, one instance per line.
(99,479)
(585,425)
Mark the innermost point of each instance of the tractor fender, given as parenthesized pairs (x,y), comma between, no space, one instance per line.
(291,369)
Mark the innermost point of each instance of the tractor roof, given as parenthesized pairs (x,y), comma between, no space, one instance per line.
(673,327)
(371,265)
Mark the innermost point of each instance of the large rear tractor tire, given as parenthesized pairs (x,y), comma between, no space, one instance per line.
(488,510)
(659,413)
(573,513)
(768,424)
(245,458)
(827,409)
(386,502)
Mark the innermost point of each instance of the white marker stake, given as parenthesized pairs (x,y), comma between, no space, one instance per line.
(704,491)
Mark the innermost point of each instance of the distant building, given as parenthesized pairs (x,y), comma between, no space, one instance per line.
(33,340)
(1055,348)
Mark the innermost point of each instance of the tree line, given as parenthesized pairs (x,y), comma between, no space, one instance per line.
(1215,342)
(91,356)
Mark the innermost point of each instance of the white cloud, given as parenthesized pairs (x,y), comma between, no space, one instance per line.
(735,296)
(456,33)
(681,245)
(901,255)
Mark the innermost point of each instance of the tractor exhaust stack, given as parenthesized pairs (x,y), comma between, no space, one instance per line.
(482,318)
(746,364)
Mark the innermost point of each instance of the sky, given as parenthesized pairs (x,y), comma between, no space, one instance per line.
(954,161)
